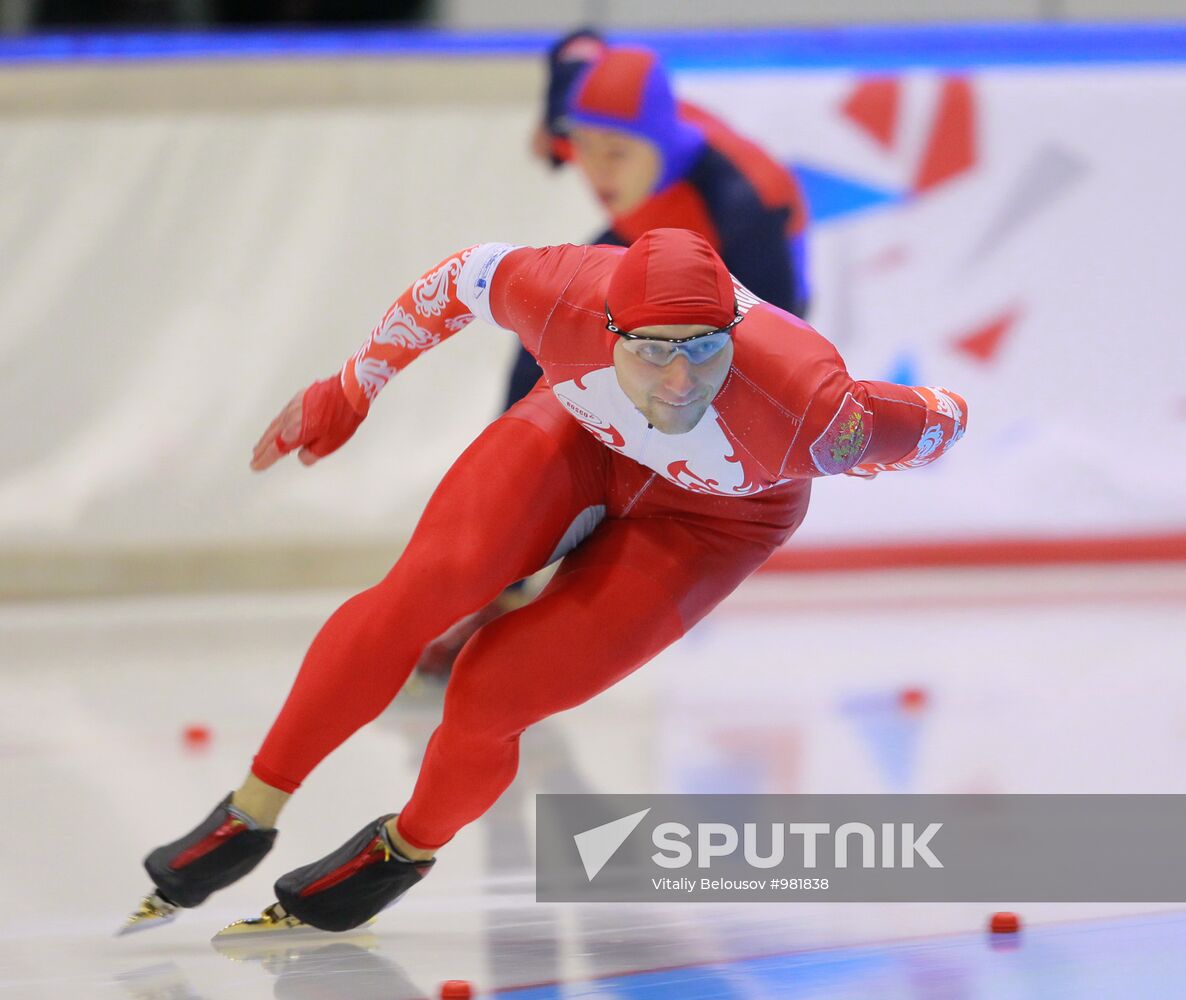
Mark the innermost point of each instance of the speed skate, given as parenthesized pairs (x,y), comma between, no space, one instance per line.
(154,911)
(273,922)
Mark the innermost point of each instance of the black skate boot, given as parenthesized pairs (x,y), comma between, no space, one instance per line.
(349,886)
(223,848)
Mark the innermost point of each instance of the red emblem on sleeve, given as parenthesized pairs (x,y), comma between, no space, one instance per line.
(843,441)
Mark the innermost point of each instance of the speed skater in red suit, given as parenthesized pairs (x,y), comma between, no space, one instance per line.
(652,162)
(668,450)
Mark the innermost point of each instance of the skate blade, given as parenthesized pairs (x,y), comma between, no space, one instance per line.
(272,923)
(154,911)
(279,947)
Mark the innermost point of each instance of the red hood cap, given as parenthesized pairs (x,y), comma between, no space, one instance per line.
(671,276)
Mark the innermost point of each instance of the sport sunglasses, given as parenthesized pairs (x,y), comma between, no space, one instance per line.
(660,351)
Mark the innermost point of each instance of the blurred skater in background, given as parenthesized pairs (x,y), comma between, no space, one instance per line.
(654,162)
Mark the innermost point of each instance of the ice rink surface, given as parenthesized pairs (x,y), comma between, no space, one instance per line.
(1041,680)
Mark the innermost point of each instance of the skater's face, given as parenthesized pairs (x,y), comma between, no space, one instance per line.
(621,169)
(673,397)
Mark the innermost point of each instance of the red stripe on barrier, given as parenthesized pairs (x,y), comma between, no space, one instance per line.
(987,552)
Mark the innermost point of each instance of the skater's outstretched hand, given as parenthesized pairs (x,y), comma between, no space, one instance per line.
(317,420)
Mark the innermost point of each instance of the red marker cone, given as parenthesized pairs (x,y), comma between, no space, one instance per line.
(196,737)
(1004,923)
(913,699)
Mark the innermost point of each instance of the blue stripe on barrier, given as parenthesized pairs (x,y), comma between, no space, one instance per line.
(865,47)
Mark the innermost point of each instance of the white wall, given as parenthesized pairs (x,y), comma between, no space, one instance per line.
(177,261)
(171,278)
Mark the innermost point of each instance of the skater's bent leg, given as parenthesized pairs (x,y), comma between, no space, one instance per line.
(623,596)
(586,631)
(496,516)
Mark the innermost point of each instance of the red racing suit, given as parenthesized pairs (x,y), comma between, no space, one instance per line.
(788,410)
(655,530)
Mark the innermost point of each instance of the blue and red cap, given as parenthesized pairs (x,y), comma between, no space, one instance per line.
(627,90)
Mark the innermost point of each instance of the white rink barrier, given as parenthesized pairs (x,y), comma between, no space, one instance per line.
(186,244)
